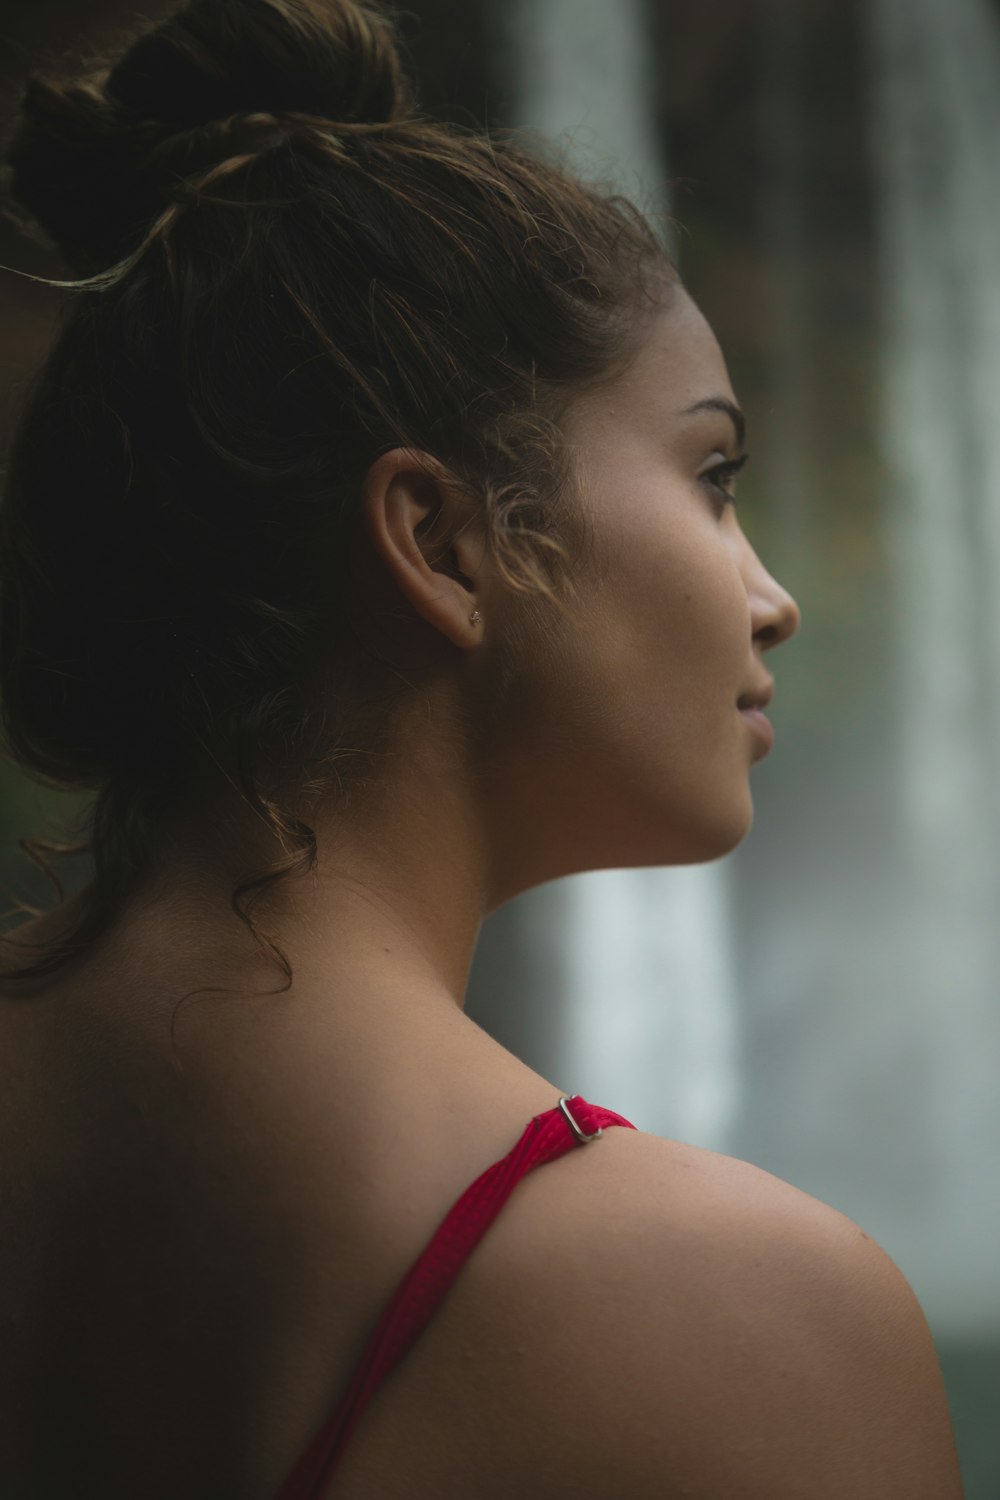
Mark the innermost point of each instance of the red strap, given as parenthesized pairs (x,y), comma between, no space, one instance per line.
(547,1136)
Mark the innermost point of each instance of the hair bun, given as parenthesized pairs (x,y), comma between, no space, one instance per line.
(215,58)
(88,162)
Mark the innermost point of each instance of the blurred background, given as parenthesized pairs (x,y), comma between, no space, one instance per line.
(826,1002)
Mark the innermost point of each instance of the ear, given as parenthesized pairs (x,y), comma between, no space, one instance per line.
(429,538)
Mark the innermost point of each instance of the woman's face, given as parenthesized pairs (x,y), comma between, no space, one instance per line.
(640,706)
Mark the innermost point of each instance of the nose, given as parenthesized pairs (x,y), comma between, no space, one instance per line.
(774,614)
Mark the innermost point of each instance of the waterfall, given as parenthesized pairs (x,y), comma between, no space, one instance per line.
(580,75)
(649,1006)
(785,462)
(935,82)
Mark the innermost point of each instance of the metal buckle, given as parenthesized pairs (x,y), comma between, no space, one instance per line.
(581,1135)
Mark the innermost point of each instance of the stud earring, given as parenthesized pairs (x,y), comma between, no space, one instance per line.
(475,617)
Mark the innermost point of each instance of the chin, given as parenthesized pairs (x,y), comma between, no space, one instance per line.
(722,831)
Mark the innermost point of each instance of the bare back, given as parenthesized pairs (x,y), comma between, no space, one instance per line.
(197,1245)
(192,1264)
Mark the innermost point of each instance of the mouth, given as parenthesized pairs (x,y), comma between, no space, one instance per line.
(758,697)
(751,706)
(762,729)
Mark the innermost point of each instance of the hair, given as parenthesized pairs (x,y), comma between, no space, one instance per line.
(284,270)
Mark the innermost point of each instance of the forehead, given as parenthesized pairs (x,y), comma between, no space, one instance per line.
(681,355)
(678,363)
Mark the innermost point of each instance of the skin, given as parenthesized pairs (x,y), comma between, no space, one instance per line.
(617,744)
(626,710)
(330,1127)
(218,1226)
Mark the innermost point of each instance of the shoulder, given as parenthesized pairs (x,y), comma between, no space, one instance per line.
(678,1322)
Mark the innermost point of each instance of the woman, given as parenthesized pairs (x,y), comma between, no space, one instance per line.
(368,548)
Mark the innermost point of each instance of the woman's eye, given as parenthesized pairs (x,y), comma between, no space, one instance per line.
(722,476)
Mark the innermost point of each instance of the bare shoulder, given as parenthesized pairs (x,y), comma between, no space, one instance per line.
(676,1322)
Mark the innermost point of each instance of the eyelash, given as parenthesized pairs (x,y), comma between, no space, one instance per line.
(718,477)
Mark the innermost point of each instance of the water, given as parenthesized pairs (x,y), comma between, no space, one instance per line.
(935,82)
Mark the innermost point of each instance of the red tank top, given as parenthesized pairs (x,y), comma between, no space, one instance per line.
(572,1122)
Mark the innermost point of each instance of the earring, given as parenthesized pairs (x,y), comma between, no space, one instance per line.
(475,617)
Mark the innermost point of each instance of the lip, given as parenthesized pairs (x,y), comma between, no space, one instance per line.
(761,726)
(758,697)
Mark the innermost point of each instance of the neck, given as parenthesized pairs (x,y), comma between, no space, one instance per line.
(395,897)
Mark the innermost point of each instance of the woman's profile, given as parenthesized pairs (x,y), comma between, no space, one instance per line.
(368,551)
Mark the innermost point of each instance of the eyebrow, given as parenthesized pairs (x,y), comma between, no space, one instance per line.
(720,403)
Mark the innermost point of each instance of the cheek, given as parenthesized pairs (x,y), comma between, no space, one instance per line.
(682,617)
(652,658)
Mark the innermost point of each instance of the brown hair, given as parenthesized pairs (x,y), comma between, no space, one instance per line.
(286,271)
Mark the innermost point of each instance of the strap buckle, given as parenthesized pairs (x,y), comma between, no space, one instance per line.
(581,1135)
